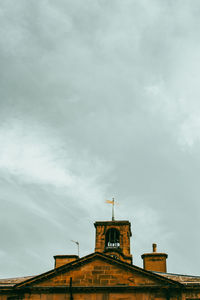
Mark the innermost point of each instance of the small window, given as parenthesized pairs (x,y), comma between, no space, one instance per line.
(112,238)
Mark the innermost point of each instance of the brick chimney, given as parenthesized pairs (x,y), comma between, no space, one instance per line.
(61,260)
(155,261)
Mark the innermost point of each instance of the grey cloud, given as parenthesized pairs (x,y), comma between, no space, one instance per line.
(116,82)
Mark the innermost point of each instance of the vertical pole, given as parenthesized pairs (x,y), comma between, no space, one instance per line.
(113,202)
(78,248)
(70,289)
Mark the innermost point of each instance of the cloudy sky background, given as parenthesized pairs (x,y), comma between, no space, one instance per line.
(98,99)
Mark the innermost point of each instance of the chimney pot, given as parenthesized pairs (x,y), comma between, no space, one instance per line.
(154,247)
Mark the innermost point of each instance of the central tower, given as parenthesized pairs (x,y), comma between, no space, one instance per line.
(113,238)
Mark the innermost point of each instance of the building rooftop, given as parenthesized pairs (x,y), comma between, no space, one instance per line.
(184,279)
(9,282)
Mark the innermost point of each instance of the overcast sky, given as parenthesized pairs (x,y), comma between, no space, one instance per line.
(99,99)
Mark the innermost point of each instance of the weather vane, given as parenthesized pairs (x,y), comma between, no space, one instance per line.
(113,203)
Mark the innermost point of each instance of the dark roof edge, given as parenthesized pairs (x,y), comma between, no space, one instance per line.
(154,254)
(115,222)
(66,256)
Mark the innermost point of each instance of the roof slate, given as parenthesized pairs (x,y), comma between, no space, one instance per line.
(12,281)
(184,279)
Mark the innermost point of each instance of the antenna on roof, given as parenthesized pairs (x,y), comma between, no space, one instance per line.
(77,243)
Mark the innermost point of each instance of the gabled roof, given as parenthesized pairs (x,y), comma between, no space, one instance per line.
(164,281)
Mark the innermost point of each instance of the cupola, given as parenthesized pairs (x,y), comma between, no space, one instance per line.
(113,238)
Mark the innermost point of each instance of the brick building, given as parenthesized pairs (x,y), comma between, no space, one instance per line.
(106,274)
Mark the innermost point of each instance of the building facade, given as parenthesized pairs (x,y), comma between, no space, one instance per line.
(106,274)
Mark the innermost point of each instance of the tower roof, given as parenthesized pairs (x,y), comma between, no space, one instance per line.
(115,222)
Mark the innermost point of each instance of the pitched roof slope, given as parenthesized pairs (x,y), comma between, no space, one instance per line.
(10,282)
(86,260)
(183,279)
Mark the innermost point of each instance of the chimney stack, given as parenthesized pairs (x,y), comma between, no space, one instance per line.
(61,260)
(155,261)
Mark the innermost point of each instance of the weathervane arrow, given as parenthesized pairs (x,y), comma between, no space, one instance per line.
(113,203)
